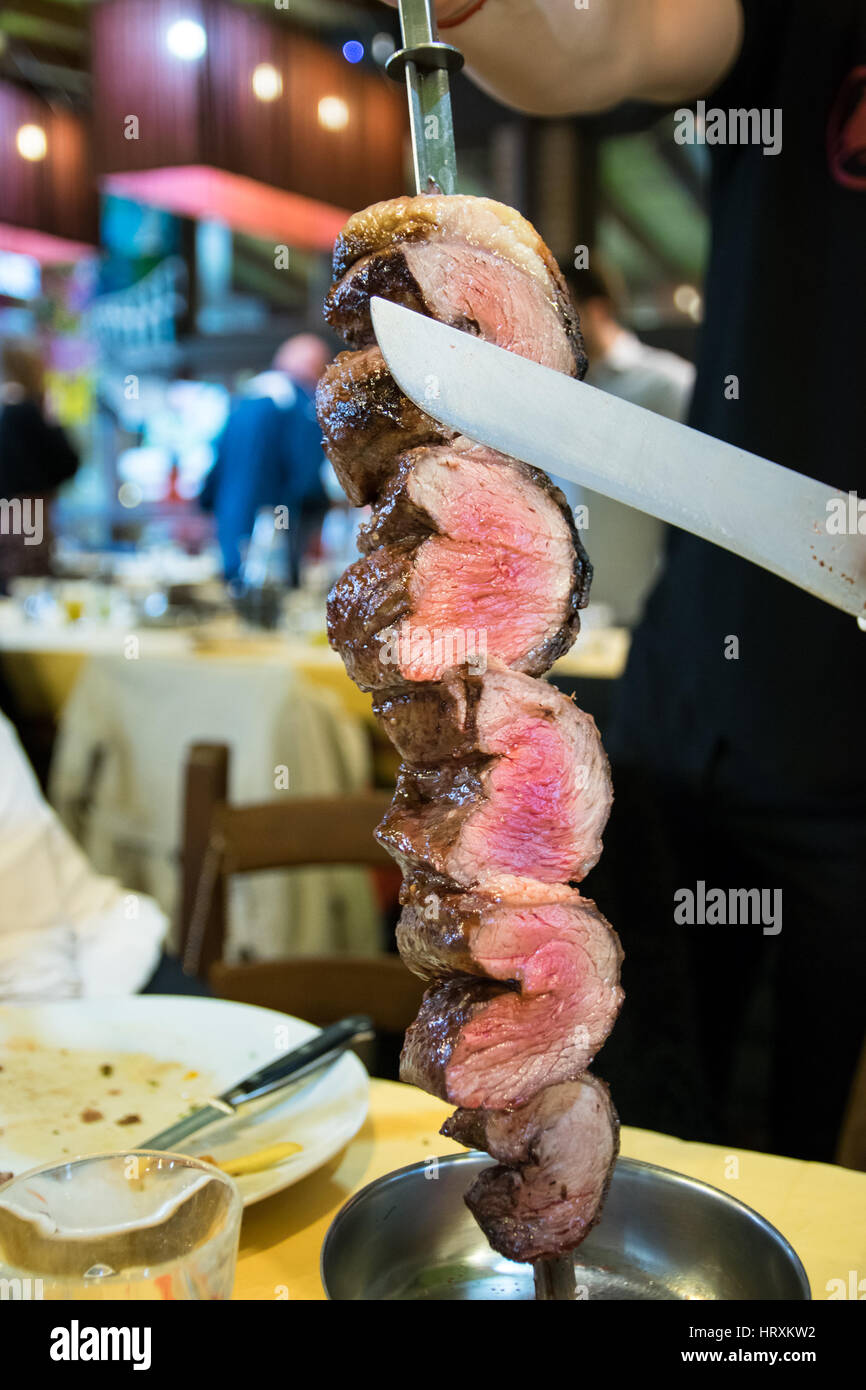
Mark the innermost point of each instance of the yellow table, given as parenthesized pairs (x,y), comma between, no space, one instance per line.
(42,664)
(819,1208)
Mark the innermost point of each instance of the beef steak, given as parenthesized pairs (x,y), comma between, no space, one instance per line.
(555,1159)
(470,262)
(367,423)
(471,556)
(496,1048)
(533,804)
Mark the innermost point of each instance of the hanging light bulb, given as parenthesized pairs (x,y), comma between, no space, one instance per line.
(333,113)
(186,39)
(267,82)
(31,142)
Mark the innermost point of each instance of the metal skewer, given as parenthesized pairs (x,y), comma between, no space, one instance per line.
(426,63)
(554,1279)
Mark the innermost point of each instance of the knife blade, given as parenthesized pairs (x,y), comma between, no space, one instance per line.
(315,1054)
(773,516)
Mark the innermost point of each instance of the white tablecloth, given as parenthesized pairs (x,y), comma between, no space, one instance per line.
(144,714)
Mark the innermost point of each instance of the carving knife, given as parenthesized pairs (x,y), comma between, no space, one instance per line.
(792,525)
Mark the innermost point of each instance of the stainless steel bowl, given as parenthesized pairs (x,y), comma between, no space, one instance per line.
(410,1236)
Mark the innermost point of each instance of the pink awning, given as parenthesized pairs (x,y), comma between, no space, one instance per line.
(244,204)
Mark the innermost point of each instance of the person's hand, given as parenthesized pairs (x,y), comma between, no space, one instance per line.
(443,9)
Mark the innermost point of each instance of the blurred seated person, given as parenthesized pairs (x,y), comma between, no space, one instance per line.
(65,931)
(618,361)
(270,455)
(35,458)
(655,379)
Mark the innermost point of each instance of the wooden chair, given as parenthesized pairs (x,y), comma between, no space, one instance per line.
(325,988)
(221,839)
(851,1151)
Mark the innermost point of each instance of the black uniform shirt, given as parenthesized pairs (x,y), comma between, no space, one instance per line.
(786,316)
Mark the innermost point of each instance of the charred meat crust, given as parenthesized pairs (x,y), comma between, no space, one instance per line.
(367,423)
(448,794)
(385,273)
(369,597)
(435,930)
(434,721)
(431,1039)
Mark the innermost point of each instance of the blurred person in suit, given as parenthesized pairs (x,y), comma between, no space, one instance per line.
(270,455)
(35,458)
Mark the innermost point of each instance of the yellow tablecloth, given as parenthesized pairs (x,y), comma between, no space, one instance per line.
(43,664)
(821,1209)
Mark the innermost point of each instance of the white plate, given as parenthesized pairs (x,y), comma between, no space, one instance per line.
(214,1036)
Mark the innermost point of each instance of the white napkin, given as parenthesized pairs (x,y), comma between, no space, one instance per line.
(64,929)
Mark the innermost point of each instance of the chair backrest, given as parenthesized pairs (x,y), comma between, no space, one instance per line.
(220,839)
(322,989)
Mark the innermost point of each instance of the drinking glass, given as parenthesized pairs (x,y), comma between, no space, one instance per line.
(131,1225)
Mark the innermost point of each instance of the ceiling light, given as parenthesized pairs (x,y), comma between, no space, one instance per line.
(186,39)
(333,113)
(31,142)
(267,82)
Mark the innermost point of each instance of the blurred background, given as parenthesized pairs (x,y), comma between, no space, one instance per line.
(173,175)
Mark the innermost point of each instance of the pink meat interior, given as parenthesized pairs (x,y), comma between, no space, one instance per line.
(530,822)
(463,284)
(567,964)
(498,574)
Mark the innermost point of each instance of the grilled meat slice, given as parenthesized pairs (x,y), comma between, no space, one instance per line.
(555,1159)
(422,217)
(472,556)
(497,1049)
(534,807)
(473,712)
(469,262)
(368,423)
(465,287)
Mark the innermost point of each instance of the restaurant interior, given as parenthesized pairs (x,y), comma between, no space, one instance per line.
(189,778)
